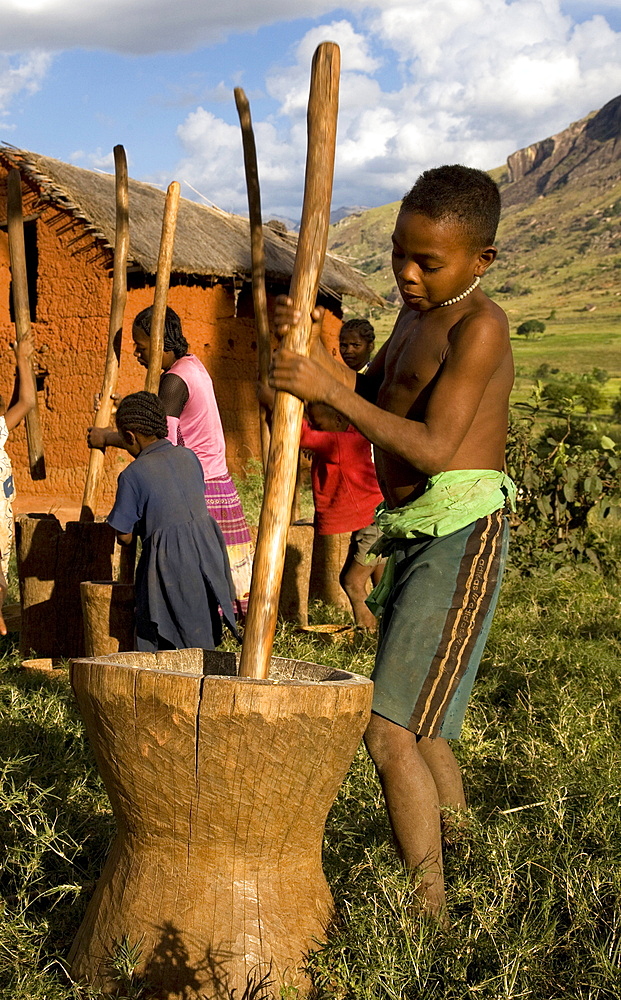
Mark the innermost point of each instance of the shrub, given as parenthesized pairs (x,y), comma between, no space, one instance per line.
(564,395)
(530,326)
(567,493)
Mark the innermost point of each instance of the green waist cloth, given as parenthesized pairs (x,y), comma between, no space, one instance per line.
(451,501)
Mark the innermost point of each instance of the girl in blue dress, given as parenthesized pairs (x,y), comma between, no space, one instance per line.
(184,589)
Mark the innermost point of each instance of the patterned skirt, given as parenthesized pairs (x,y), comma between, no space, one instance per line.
(224,506)
(7,495)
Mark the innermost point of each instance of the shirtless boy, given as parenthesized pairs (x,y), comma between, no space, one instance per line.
(434,402)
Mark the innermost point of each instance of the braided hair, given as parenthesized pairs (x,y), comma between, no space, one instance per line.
(142,413)
(173,337)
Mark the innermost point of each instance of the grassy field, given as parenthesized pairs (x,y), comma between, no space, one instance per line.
(534,887)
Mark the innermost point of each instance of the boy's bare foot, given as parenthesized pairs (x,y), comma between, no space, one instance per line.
(456,826)
(429,910)
(364,618)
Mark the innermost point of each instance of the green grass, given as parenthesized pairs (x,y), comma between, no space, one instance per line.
(534,889)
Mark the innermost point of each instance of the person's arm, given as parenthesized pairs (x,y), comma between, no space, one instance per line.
(25,392)
(104,437)
(127,509)
(174,394)
(430,444)
(324,444)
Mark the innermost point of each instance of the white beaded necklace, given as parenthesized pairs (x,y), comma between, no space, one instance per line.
(449,302)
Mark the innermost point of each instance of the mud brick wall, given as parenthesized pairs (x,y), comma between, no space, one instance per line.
(71,330)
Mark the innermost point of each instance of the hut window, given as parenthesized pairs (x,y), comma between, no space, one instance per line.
(32,268)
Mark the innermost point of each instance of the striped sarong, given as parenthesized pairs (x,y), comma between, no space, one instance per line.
(435,625)
(224,506)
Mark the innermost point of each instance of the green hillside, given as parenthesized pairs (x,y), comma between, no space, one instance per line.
(559,254)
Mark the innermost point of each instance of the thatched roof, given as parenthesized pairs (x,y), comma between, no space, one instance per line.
(208,241)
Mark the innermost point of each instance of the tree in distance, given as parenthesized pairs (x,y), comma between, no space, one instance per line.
(529,327)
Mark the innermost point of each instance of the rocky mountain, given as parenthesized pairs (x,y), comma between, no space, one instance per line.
(589,151)
(559,239)
(343,212)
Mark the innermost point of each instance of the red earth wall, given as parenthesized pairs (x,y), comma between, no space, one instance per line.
(71,330)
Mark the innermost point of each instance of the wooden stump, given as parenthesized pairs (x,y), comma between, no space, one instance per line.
(108,611)
(293,600)
(36,542)
(51,563)
(220,787)
(329,554)
(293,603)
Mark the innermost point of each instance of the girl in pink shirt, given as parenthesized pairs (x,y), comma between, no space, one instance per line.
(186,390)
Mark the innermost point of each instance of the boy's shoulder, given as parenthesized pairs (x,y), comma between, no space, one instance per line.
(482,319)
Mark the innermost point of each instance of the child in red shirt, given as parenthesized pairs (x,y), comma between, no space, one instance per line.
(346,493)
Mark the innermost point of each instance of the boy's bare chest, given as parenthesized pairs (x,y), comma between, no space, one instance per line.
(412,365)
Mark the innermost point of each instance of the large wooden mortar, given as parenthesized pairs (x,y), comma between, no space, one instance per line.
(220,787)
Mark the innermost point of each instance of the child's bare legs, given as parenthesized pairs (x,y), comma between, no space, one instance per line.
(353,579)
(440,760)
(413,805)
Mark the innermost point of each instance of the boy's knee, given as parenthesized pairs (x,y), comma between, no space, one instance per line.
(387,742)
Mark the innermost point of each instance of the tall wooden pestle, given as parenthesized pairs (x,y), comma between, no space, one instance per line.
(287,417)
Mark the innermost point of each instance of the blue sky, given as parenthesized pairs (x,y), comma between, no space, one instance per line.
(423,82)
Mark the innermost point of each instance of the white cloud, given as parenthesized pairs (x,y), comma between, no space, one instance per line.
(476,80)
(142,26)
(20,74)
(94,160)
(423,82)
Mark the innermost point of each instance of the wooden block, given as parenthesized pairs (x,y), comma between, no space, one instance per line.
(329,554)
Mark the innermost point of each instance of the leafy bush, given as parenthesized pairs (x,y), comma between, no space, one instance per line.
(599,375)
(564,395)
(544,370)
(530,326)
(567,493)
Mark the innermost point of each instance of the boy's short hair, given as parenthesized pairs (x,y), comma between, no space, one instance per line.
(336,418)
(361,327)
(465,194)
